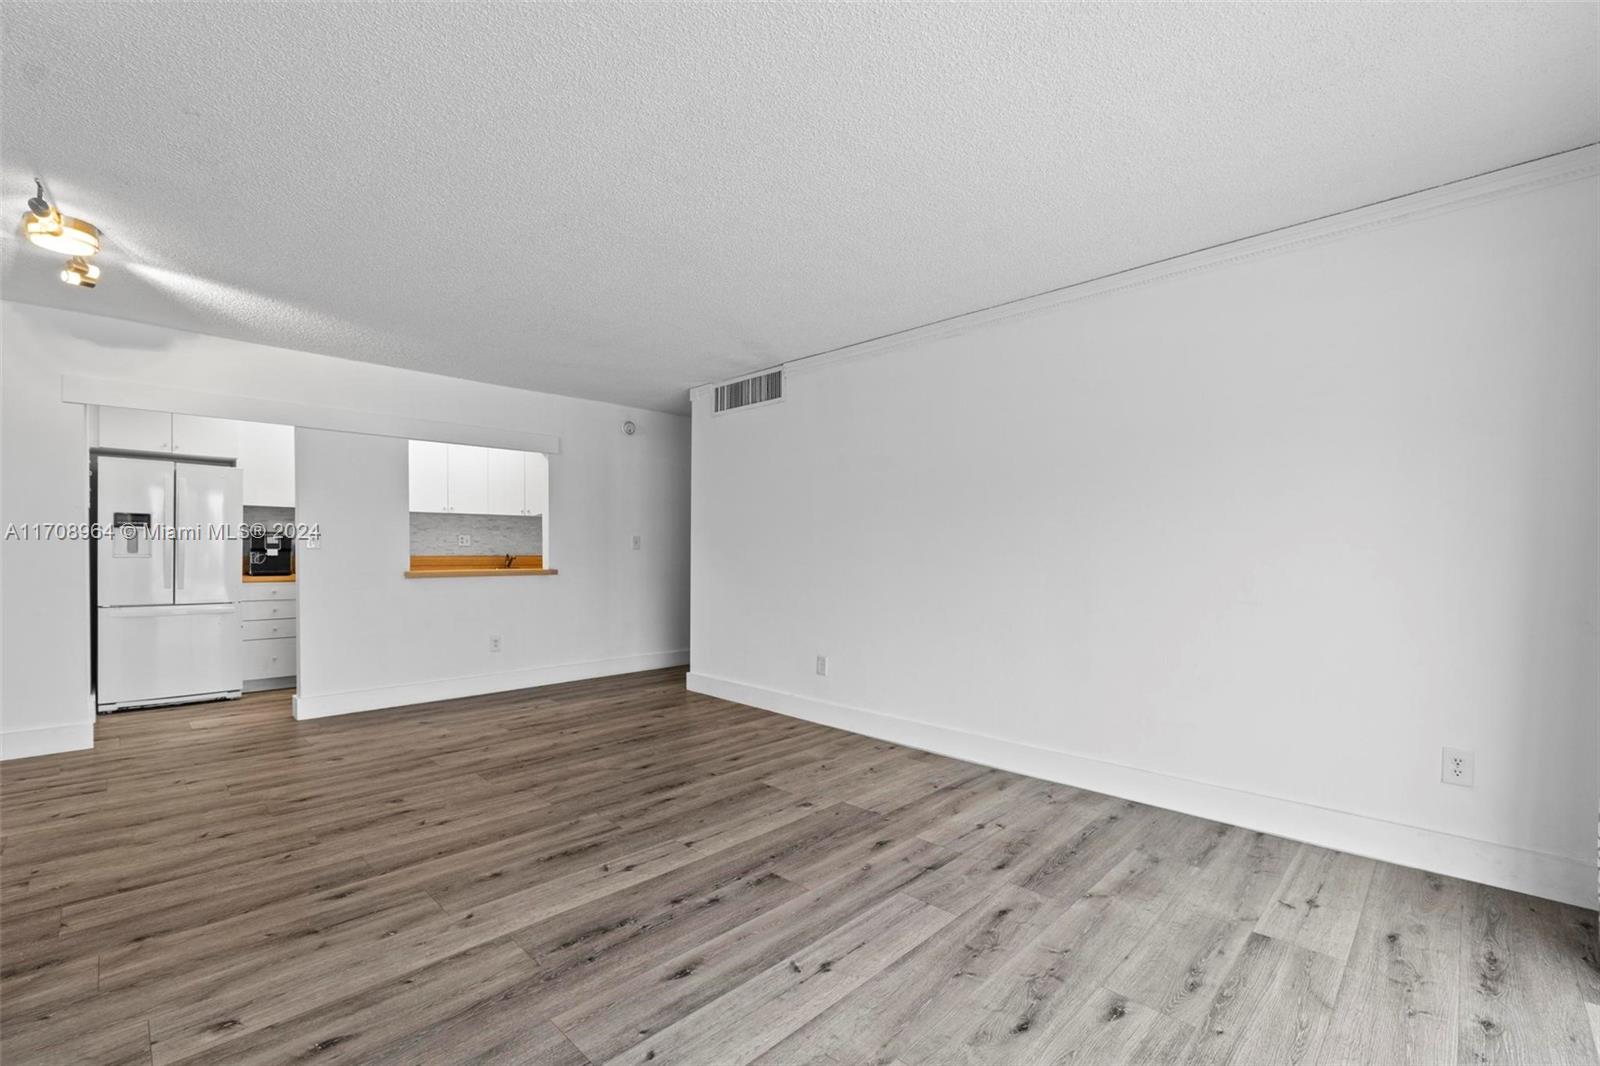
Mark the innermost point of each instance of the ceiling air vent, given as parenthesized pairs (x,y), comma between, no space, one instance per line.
(763,388)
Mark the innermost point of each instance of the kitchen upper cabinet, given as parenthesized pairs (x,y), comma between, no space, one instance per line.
(505,482)
(430,476)
(535,483)
(518,482)
(266,464)
(134,431)
(469,478)
(195,435)
(465,479)
(127,429)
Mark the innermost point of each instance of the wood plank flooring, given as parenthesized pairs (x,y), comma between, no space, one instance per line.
(619,871)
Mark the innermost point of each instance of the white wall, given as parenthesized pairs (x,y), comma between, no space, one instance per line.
(45,704)
(370,637)
(1254,540)
(617,608)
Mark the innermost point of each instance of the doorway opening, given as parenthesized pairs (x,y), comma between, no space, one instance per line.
(192,573)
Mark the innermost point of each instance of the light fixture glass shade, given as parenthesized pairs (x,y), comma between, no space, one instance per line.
(61,233)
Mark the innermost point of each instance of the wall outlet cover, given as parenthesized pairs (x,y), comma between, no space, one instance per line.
(494,643)
(1457,767)
(464,540)
(822,666)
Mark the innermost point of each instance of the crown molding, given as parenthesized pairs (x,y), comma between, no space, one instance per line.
(1511,181)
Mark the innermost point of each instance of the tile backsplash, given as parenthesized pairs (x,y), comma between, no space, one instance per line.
(436,534)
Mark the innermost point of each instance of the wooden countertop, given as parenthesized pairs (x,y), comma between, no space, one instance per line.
(478,566)
(482,571)
(262,579)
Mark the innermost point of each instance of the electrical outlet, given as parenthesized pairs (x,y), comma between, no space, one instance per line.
(636,541)
(463,540)
(494,643)
(1456,767)
(822,666)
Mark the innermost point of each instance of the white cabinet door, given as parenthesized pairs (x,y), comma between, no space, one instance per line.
(468,478)
(135,431)
(505,482)
(266,459)
(536,483)
(430,478)
(194,435)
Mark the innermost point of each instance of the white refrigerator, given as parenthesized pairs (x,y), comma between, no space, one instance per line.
(167,582)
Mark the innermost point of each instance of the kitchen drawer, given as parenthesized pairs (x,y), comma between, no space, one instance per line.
(269,658)
(268,590)
(263,630)
(266,610)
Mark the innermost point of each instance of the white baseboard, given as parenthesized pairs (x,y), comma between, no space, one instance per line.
(26,743)
(450,688)
(1536,873)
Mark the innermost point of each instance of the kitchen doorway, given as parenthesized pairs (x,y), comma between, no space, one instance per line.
(193,582)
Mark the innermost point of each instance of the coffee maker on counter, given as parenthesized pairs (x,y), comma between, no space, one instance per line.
(271,554)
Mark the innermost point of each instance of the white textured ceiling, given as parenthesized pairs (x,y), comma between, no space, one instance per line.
(619,202)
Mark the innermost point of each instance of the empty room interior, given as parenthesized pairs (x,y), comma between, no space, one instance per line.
(799,534)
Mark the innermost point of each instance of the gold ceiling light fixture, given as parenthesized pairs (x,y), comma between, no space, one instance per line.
(45,225)
(81,272)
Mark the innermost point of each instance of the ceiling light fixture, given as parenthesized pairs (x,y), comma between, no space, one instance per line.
(81,272)
(61,233)
(45,225)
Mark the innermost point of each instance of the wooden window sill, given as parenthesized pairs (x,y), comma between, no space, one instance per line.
(482,571)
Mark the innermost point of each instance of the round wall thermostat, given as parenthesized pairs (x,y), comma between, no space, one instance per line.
(629,428)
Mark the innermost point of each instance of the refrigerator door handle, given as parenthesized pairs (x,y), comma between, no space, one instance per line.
(168,544)
(177,538)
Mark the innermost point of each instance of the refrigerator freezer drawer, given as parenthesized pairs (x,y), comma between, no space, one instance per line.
(152,655)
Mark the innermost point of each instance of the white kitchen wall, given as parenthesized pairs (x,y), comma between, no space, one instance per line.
(633,613)
(370,637)
(1251,536)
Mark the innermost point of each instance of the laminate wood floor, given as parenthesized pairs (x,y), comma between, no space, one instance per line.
(620,871)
